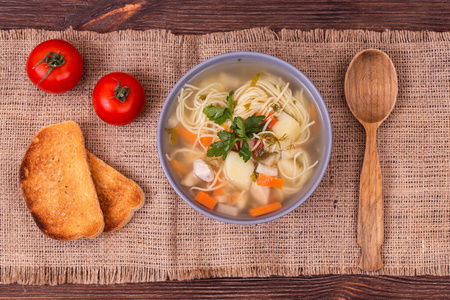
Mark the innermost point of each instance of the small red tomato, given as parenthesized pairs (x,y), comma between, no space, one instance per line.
(118,98)
(55,66)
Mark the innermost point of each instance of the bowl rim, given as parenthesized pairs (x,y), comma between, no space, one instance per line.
(286,67)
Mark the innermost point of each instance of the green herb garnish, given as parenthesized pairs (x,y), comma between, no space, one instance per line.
(246,129)
(238,127)
(230,101)
(271,139)
(217,114)
(261,154)
(241,130)
(255,79)
(173,132)
(275,107)
(253,177)
(220,114)
(245,152)
(222,147)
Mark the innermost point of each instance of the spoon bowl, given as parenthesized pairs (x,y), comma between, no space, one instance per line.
(371,86)
(371,89)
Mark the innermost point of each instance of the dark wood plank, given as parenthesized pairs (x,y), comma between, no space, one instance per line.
(204,16)
(322,287)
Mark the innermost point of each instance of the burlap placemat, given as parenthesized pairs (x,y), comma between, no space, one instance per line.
(169,240)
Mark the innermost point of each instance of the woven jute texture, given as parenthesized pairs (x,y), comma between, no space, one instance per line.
(167,239)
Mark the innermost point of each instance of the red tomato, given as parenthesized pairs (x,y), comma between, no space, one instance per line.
(55,66)
(118,98)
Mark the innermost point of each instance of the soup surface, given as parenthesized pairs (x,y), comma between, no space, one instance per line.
(242,143)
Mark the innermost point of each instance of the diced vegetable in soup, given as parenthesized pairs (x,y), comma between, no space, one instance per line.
(240,152)
(288,128)
(238,172)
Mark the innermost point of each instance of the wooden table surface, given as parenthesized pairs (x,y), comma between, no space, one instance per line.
(199,17)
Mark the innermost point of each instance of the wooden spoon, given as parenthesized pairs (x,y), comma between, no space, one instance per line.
(371,90)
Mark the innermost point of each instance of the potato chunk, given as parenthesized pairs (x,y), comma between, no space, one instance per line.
(237,171)
(288,126)
(267,170)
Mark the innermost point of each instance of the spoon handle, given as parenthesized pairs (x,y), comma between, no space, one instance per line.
(370,217)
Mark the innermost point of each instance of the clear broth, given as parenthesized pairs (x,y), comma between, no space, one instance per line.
(244,71)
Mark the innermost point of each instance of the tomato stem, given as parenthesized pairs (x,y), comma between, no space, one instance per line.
(121,93)
(52,60)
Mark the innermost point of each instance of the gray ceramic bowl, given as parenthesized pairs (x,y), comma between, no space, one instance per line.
(258,62)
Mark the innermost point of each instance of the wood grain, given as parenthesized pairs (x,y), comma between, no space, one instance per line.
(323,287)
(198,16)
(371,89)
(370,214)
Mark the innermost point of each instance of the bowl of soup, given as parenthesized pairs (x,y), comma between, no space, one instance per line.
(244,138)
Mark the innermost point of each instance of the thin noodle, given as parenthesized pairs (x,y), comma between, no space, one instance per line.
(270,96)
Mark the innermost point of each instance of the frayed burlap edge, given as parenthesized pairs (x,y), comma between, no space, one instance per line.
(248,35)
(108,275)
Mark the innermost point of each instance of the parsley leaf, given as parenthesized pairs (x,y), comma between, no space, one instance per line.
(245,152)
(222,147)
(246,129)
(225,135)
(230,101)
(253,123)
(241,130)
(217,114)
(220,114)
(238,126)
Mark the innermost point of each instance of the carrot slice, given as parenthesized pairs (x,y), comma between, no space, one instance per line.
(219,191)
(179,167)
(266,180)
(206,141)
(187,135)
(267,117)
(273,121)
(192,137)
(206,200)
(259,211)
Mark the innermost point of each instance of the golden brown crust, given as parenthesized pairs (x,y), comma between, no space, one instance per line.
(119,196)
(57,186)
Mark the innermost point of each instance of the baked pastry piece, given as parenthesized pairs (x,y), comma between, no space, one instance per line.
(119,196)
(57,185)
